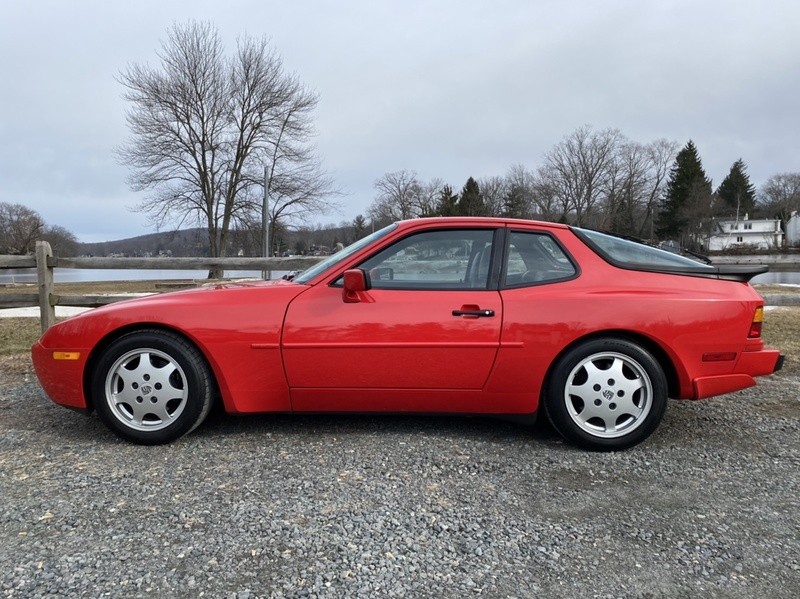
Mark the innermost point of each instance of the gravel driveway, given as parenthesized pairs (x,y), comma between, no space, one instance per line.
(347,506)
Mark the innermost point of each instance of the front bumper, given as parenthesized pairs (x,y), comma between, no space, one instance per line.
(61,380)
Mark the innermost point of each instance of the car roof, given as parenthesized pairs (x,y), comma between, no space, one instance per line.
(480,220)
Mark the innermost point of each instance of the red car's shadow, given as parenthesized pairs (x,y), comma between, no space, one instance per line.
(74,427)
(220,424)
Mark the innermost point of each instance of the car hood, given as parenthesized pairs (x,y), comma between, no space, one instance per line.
(210,292)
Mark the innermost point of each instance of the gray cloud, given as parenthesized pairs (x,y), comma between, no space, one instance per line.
(450,89)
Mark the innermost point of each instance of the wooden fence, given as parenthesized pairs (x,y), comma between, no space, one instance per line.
(44,262)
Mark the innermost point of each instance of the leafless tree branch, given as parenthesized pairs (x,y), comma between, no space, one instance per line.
(203,127)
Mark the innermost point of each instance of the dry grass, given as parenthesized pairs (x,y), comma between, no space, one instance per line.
(782,331)
(18,334)
(100,288)
(778,289)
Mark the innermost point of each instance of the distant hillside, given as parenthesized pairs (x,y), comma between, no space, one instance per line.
(186,242)
(194,242)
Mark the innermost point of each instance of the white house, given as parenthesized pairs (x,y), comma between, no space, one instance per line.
(745,233)
(793,229)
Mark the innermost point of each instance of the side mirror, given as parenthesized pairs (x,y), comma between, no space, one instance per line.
(356,282)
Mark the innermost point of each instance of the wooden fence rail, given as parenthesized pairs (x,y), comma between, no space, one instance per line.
(44,262)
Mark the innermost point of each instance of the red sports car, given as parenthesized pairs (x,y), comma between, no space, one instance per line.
(438,315)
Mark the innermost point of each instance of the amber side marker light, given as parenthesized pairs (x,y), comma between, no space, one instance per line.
(757,324)
(66,355)
(727,356)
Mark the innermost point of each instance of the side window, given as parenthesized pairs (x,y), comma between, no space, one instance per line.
(535,258)
(443,259)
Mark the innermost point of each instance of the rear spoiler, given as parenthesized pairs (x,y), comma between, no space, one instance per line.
(728,272)
(740,272)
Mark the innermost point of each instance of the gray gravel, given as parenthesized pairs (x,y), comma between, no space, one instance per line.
(270,506)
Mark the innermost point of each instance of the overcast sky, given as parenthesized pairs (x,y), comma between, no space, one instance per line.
(449,89)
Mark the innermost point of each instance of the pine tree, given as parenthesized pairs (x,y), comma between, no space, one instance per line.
(447,205)
(359,227)
(687,197)
(738,194)
(516,204)
(471,202)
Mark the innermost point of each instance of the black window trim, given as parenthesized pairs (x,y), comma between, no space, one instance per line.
(507,251)
(493,280)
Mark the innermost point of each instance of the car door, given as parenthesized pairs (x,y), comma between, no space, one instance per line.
(429,321)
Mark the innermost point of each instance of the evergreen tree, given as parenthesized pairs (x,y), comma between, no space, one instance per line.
(471,202)
(447,205)
(687,198)
(516,203)
(738,194)
(359,227)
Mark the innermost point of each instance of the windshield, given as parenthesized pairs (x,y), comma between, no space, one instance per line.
(341,255)
(624,252)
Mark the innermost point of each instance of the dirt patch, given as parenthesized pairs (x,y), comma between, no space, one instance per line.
(14,368)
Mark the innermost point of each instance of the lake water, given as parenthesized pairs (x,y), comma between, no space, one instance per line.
(78,275)
(779,278)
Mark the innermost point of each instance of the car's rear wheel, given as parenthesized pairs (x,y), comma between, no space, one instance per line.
(151,387)
(606,394)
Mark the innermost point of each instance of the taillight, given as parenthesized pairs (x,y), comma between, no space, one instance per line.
(756,325)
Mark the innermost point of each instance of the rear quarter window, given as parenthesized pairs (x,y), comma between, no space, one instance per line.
(632,254)
(534,258)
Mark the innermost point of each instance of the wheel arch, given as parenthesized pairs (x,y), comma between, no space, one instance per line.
(661,356)
(105,342)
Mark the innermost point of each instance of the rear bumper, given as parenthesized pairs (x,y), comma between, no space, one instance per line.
(750,365)
(759,363)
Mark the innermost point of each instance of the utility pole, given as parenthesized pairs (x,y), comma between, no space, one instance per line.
(265,221)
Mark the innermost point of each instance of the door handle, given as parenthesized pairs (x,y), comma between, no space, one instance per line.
(475,313)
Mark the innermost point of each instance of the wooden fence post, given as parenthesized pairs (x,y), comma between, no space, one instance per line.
(44,275)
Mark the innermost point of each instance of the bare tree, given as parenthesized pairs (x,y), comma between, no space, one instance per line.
(577,169)
(20,227)
(590,178)
(661,154)
(296,183)
(628,181)
(494,190)
(545,203)
(519,201)
(779,196)
(635,182)
(398,197)
(428,197)
(602,179)
(204,127)
(62,241)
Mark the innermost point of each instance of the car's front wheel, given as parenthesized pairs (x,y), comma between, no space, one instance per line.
(151,387)
(606,394)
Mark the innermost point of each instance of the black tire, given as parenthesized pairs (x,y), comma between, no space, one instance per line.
(151,387)
(606,394)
